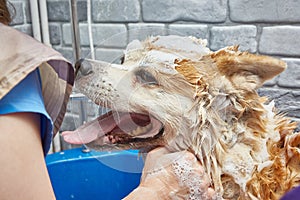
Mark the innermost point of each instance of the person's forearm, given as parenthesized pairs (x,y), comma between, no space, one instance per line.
(23,173)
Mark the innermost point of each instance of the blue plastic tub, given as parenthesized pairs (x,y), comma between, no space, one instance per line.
(94,175)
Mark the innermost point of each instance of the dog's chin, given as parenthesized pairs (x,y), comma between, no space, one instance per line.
(119,130)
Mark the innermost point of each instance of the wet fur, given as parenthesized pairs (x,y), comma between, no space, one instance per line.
(209,105)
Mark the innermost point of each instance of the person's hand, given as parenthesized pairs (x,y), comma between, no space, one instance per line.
(176,175)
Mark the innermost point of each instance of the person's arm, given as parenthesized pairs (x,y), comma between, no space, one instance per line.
(23,172)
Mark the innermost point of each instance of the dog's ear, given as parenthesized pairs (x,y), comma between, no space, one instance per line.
(132,51)
(134,45)
(245,70)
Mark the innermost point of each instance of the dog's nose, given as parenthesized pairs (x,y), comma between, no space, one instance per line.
(83,67)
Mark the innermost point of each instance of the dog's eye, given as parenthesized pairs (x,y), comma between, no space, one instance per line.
(145,77)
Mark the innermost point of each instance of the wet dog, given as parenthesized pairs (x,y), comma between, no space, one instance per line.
(173,91)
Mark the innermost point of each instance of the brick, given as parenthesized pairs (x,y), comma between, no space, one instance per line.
(199,31)
(55,34)
(280,40)
(90,109)
(244,36)
(290,78)
(18,15)
(70,122)
(74,105)
(67,36)
(86,53)
(109,55)
(264,11)
(286,101)
(59,10)
(142,31)
(25,28)
(75,90)
(271,82)
(103,110)
(82,10)
(27,12)
(79,110)
(104,35)
(110,35)
(67,52)
(178,10)
(83,107)
(116,10)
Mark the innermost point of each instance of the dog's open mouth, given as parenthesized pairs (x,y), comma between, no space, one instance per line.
(115,128)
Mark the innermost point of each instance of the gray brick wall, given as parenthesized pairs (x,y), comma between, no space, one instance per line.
(270,27)
(268,11)
(116,11)
(210,11)
(244,35)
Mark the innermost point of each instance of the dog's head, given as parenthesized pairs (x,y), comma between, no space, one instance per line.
(167,88)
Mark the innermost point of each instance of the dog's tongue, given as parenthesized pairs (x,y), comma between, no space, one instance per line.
(122,122)
(91,130)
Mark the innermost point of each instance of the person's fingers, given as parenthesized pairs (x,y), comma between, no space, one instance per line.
(163,167)
(198,171)
(211,193)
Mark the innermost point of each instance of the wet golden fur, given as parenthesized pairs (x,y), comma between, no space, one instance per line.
(246,72)
(248,149)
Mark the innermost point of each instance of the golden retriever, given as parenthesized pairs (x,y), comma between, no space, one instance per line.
(174,92)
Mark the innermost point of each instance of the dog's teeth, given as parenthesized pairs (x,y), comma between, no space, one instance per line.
(140,130)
